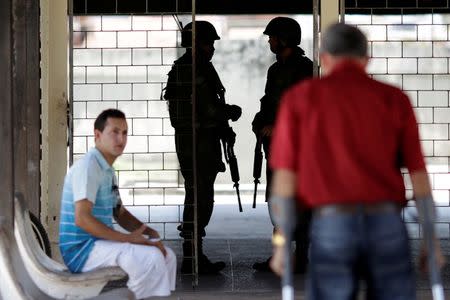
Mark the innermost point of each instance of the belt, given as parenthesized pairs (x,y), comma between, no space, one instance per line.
(373,208)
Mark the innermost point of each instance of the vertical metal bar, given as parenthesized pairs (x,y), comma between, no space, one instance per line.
(194,146)
(70,100)
(316,37)
(342,11)
(6,115)
(25,94)
(34,107)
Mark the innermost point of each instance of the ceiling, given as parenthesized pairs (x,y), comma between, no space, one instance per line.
(222,7)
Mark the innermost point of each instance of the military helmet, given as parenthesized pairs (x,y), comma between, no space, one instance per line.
(285,29)
(205,32)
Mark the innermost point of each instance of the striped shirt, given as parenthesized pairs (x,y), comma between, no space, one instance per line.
(90,178)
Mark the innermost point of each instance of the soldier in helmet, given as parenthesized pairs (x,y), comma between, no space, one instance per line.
(291,66)
(211,125)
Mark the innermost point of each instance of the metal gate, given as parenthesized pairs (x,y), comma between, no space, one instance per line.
(121,61)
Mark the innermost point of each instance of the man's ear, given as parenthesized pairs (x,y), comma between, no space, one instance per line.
(97,133)
(324,62)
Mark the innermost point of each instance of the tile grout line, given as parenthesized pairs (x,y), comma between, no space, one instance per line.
(231,265)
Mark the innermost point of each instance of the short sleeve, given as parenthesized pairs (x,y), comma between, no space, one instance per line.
(285,143)
(86,181)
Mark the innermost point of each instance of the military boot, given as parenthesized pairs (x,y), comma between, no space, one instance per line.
(205,266)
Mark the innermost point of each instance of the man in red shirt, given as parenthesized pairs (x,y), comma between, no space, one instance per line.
(338,146)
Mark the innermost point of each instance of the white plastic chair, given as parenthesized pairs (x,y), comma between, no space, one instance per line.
(50,276)
(10,288)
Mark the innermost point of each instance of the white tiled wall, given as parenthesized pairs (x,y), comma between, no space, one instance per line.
(123,63)
(411,51)
(124,60)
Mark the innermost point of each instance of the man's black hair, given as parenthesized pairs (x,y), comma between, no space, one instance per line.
(344,40)
(100,122)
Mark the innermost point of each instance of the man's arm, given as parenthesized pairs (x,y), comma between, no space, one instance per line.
(282,203)
(284,183)
(86,221)
(129,222)
(422,192)
(421,184)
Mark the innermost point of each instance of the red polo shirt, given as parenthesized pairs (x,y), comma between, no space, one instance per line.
(346,137)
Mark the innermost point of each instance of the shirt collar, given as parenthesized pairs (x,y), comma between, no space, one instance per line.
(349,65)
(100,159)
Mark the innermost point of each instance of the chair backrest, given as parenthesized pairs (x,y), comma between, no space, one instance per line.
(27,241)
(41,255)
(50,276)
(10,288)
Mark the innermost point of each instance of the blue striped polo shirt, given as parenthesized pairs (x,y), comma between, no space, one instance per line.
(92,178)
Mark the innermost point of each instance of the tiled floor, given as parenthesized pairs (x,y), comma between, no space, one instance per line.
(240,239)
(240,281)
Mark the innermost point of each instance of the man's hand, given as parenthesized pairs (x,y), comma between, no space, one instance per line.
(234,112)
(137,237)
(159,245)
(152,233)
(423,257)
(277,261)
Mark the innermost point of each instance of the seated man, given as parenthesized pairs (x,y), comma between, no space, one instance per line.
(91,200)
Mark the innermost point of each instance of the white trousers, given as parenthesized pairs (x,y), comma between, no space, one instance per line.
(150,273)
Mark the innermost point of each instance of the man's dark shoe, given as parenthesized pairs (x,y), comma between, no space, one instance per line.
(263,266)
(205,266)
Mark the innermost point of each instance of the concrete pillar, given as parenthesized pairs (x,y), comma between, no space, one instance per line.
(6,117)
(329,13)
(54,86)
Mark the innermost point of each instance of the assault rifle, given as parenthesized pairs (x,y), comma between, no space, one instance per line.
(257,166)
(230,158)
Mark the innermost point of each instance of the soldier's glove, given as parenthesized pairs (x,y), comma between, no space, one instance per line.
(234,112)
(257,123)
(228,136)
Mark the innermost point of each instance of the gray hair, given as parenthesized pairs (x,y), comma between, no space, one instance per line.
(344,40)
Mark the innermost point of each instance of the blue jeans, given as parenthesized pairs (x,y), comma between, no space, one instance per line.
(348,247)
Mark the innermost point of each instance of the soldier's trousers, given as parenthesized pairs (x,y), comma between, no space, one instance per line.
(205,201)
(208,163)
